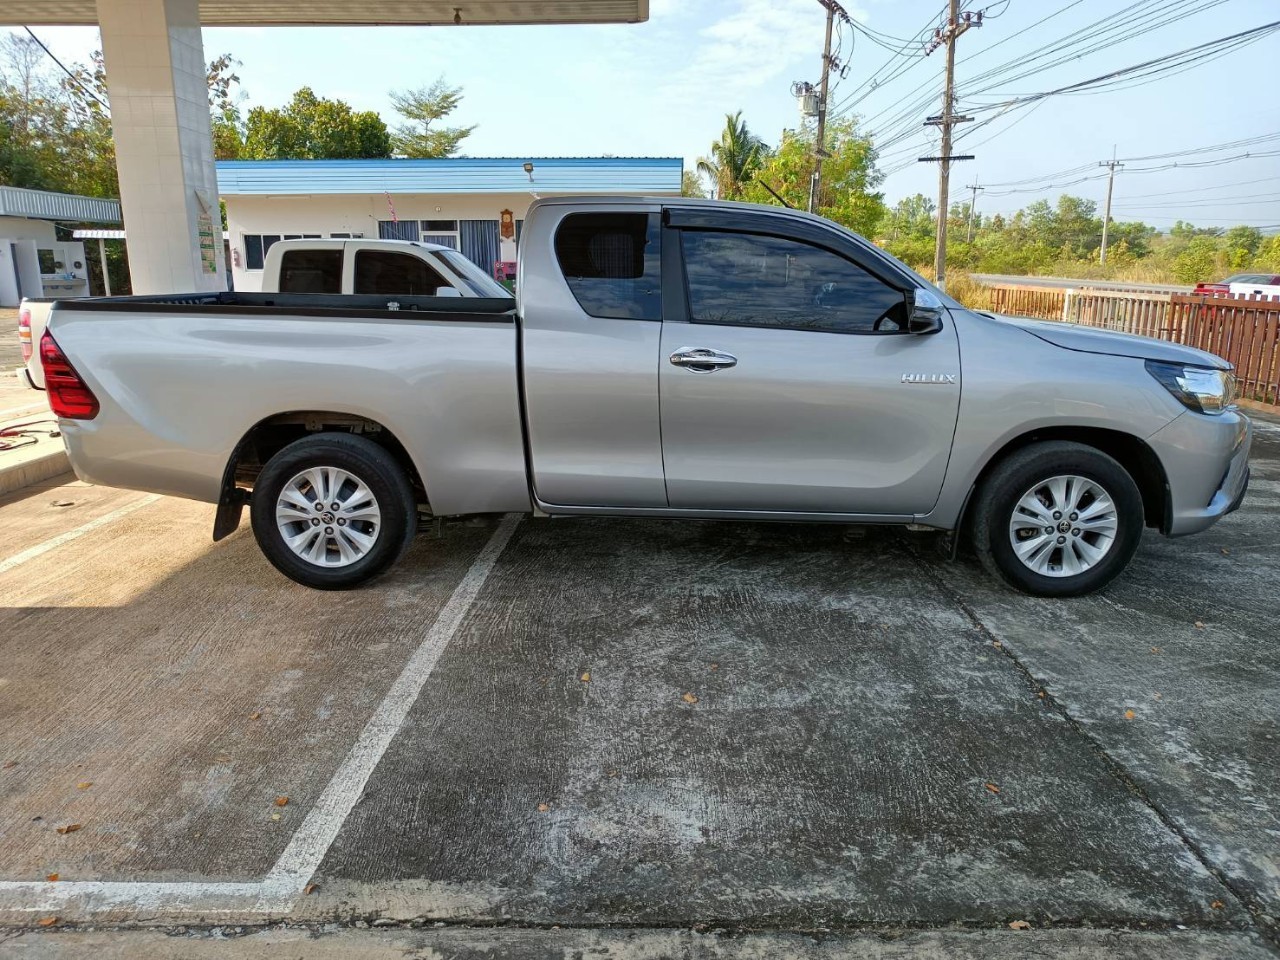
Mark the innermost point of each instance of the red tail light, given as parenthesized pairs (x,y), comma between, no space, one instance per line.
(1206,288)
(69,396)
(24,332)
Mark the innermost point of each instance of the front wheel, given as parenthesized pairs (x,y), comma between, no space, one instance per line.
(333,510)
(1058,519)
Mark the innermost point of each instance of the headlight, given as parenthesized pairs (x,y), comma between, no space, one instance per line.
(1201,389)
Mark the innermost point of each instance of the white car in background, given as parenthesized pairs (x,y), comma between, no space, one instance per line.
(1244,285)
(392,268)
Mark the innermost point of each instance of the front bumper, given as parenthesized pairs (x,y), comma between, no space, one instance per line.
(1206,465)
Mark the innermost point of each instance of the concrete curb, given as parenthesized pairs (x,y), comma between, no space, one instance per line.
(36,468)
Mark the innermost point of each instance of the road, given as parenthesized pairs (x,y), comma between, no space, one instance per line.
(1068,282)
(616,738)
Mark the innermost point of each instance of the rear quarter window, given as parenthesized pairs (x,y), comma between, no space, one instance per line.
(611,263)
(311,271)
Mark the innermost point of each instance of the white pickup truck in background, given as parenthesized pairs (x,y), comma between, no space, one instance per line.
(376,267)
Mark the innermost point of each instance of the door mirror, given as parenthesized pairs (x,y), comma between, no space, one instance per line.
(926,313)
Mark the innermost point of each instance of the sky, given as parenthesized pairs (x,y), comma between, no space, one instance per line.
(663,87)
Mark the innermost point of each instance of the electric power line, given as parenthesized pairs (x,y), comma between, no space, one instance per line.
(74,79)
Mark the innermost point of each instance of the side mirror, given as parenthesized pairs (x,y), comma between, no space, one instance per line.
(926,313)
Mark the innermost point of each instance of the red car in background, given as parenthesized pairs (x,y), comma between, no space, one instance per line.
(1244,284)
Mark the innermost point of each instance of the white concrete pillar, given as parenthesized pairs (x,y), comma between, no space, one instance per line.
(155,66)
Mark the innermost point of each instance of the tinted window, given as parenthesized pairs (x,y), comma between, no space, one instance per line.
(381,272)
(744,279)
(311,271)
(610,261)
(253,252)
(439,226)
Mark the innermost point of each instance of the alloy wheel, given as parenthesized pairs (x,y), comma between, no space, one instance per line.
(328,516)
(1063,526)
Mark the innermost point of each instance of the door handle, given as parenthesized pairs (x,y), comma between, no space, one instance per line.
(702,360)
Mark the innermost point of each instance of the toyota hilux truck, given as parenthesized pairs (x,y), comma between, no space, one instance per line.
(663,358)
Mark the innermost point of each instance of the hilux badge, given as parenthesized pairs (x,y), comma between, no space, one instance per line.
(928,378)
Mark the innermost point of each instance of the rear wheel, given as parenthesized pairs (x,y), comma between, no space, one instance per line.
(333,511)
(1058,519)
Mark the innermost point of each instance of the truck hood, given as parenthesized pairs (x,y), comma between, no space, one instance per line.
(1072,336)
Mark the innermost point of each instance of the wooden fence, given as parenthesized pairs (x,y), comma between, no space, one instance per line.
(1044,303)
(1245,331)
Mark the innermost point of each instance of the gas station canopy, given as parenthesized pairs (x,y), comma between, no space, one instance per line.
(369,12)
(153,54)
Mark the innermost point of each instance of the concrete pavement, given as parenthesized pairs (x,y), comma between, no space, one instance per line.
(822,742)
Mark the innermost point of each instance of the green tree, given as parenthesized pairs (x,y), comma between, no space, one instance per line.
(848,192)
(1198,262)
(224,108)
(1268,257)
(314,128)
(734,158)
(1183,229)
(1242,245)
(422,108)
(691,185)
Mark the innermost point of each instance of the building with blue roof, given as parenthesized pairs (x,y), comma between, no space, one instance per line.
(458,201)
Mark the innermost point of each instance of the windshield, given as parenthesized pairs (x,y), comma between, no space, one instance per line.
(479,282)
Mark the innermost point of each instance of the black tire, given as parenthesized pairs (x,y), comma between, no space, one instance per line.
(1016,476)
(362,459)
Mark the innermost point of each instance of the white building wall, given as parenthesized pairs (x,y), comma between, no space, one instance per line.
(348,213)
(21,228)
(20,237)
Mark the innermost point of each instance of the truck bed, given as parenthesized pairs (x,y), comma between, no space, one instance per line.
(182,379)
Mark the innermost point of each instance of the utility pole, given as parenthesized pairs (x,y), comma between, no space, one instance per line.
(819,145)
(972,204)
(946,120)
(1112,165)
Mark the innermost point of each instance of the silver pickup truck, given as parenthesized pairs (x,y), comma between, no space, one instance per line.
(664,358)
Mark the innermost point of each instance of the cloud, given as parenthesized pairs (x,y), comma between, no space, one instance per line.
(755,44)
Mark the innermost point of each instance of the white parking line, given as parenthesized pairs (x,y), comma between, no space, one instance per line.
(18,559)
(311,842)
(285,882)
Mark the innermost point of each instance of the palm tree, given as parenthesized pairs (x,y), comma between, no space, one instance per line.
(734,159)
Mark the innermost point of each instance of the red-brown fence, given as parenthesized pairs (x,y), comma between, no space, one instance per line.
(1245,331)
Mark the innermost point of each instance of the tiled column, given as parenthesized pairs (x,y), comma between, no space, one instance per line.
(155,67)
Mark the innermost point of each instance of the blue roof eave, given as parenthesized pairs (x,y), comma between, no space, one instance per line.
(451,175)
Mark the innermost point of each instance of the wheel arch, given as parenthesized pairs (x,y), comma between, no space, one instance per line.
(271,434)
(1131,452)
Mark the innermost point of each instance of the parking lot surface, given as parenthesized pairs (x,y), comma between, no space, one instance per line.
(833,737)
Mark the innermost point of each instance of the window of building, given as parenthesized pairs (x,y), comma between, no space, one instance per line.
(400,274)
(311,271)
(611,263)
(443,239)
(439,226)
(398,230)
(256,246)
(762,281)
